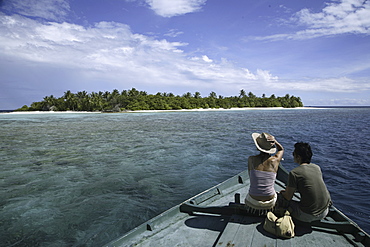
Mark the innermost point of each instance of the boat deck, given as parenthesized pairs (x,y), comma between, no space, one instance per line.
(213,218)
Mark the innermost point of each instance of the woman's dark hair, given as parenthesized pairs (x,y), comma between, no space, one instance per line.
(304,151)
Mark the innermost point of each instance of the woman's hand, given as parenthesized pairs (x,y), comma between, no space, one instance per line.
(270,138)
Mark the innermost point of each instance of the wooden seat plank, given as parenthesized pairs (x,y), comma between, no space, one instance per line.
(242,231)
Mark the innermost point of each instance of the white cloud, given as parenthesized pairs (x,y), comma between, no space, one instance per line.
(347,16)
(110,50)
(173,33)
(333,85)
(265,75)
(170,8)
(73,45)
(53,10)
(343,17)
(207,59)
(333,101)
(109,55)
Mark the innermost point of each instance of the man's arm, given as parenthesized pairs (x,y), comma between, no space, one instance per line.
(288,193)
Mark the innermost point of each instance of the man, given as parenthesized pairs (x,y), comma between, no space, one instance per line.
(307,180)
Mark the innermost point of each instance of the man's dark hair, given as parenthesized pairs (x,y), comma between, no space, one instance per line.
(304,151)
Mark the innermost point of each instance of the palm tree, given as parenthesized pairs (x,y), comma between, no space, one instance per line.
(133,93)
(83,101)
(213,95)
(70,100)
(48,102)
(242,94)
(197,95)
(187,95)
(96,101)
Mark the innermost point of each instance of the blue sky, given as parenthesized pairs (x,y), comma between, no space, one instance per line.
(317,50)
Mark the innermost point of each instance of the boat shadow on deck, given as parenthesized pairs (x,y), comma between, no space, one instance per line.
(211,219)
(236,225)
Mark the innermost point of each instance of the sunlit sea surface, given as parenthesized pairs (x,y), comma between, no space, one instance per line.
(84,179)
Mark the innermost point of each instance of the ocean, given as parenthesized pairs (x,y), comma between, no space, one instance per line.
(82,179)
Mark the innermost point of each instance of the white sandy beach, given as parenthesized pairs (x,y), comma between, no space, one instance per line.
(182,110)
(229,109)
(46,112)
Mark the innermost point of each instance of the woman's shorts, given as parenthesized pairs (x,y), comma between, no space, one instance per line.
(260,205)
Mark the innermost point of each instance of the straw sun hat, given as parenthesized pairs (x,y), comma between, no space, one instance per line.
(262,143)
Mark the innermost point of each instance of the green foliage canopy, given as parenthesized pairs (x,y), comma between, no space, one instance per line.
(134,100)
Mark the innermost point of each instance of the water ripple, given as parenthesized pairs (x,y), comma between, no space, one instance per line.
(85,179)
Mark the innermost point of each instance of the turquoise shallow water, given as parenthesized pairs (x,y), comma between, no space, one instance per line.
(84,179)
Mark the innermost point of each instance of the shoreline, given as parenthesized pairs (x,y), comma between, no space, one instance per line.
(223,109)
(154,111)
(46,112)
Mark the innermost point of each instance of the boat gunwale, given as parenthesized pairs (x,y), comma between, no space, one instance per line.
(195,200)
(341,221)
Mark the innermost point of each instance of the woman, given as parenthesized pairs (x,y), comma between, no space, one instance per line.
(262,172)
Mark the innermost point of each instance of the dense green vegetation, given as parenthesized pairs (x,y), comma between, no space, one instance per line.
(140,100)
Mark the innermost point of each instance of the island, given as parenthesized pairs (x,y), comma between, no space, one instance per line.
(134,100)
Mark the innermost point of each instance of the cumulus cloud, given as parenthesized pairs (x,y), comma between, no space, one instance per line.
(109,53)
(170,8)
(55,42)
(266,75)
(207,59)
(343,17)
